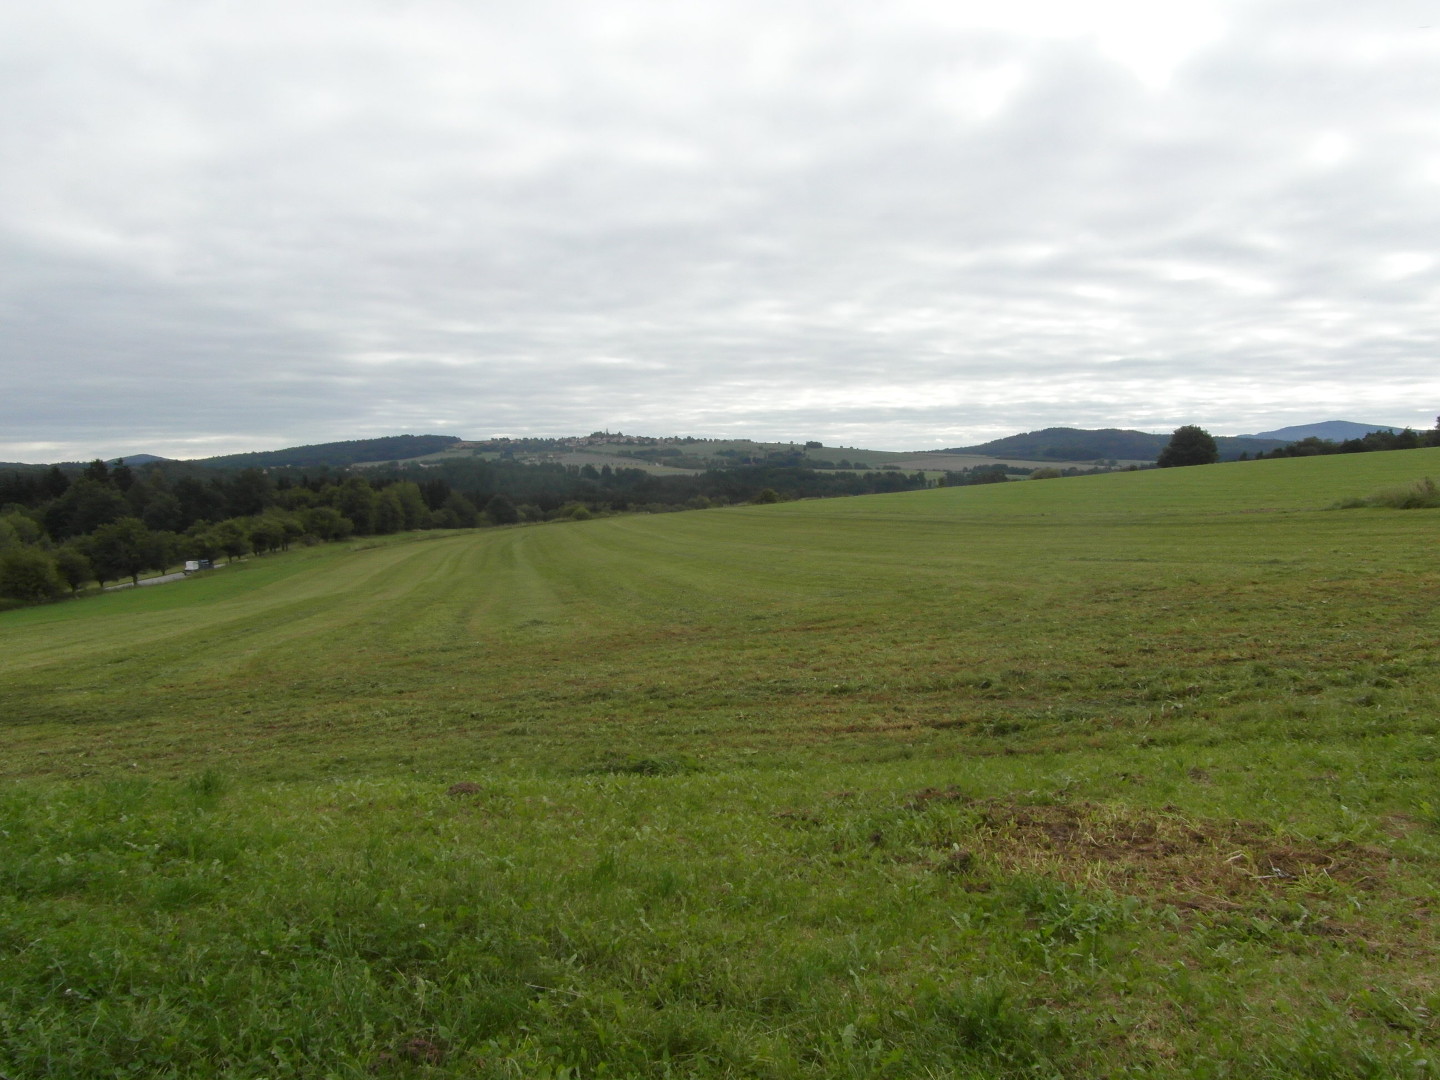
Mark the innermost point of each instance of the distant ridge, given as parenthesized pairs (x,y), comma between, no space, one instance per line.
(129,459)
(338,454)
(1334,430)
(1119,444)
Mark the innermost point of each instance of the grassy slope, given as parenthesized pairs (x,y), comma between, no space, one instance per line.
(1062,777)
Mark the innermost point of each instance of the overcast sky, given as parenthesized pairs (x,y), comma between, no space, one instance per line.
(251,224)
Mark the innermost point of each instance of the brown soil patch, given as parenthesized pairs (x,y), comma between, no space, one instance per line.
(1199,865)
(414,1051)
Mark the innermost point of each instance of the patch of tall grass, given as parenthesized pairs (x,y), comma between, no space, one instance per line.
(1423,494)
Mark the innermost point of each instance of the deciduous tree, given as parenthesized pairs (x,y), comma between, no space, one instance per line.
(326,523)
(121,549)
(86,505)
(458,512)
(1189,445)
(72,565)
(501,510)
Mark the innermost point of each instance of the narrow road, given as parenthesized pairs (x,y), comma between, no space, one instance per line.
(161,580)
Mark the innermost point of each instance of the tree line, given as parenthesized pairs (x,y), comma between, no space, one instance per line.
(64,528)
(1191,445)
(1405,439)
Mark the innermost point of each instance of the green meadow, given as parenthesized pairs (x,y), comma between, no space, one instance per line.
(1123,775)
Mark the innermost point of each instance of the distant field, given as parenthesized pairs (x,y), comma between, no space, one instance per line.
(925,460)
(910,461)
(620,461)
(1132,774)
(956,462)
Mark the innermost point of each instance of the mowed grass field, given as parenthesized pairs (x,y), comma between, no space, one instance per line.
(1125,775)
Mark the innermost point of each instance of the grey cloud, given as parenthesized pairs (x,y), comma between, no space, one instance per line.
(773,222)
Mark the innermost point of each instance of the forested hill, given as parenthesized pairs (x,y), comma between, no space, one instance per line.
(1080,444)
(338,454)
(1334,430)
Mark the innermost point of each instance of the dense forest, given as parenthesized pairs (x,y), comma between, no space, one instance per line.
(63,528)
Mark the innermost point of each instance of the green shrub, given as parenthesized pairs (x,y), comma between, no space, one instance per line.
(29,575)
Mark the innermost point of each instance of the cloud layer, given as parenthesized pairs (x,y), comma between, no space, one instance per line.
(239,226)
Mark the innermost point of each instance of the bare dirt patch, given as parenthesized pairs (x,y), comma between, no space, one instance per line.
(1158,855)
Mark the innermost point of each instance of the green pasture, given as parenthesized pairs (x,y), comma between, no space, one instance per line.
(1123,775)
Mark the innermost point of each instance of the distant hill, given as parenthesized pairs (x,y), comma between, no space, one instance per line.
(129,459)
(1080,444)
(1051,445)
(1334,430)
(338,454)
